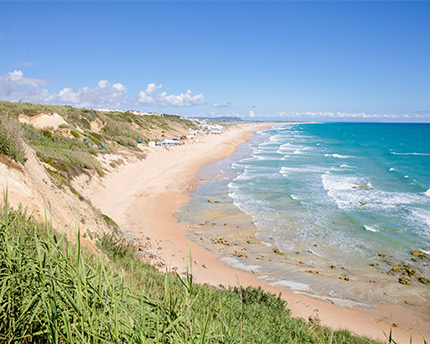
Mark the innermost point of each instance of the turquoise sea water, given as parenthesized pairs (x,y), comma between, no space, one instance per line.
(346,200)
(351,189)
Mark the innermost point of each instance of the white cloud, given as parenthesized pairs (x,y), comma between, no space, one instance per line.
(104,95)
(164,99)
(102,83)
(152,87)
(306,116)
(144,98)
(217,105)
(14,86)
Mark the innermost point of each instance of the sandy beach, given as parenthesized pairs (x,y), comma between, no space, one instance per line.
(143,198)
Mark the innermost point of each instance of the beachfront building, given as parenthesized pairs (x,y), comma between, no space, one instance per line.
(165,143)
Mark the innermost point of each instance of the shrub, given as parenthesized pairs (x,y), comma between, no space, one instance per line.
(10,139)
(74,133)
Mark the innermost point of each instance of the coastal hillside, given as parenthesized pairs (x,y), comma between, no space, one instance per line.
(50,155)
(67,272)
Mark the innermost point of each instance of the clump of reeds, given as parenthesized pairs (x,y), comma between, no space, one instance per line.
(54,292)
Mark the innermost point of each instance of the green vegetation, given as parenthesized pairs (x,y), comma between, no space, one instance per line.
(121,132)
(10,139)
(73,149)
(54,292)
(71,156)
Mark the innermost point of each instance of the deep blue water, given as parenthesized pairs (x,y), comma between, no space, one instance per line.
(337,190)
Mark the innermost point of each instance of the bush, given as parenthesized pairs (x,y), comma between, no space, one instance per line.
(10,139)
(74,133)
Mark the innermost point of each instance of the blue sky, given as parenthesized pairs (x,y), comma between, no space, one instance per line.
(350,60)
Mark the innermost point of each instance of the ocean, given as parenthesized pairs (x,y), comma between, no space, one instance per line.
(328,196)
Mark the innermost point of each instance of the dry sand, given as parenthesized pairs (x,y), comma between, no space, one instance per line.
(142,198)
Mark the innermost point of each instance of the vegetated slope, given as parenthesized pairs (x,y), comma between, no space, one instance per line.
(50,155)
(54,292)
(50,291)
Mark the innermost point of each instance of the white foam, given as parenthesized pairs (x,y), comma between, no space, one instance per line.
(292,285)
(294,197)
(336,182)
(346,192)
(339,156)
(422,216)
(370,229)
(427,193)
(237,264)
(314,253)
(413,153)
(345,166)
(391,169)
(339,302)
(266,278)
(306,169)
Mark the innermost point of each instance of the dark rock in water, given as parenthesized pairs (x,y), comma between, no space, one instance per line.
(381,255)
(409,271)
(404,280)
(397,268)
(424,280)
(275,250)
(419,254)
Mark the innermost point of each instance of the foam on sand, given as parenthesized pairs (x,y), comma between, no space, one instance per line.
(237,264)
(296,286)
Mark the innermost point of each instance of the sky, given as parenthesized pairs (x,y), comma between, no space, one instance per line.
(281,60)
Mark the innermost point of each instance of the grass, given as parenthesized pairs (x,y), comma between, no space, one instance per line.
(71,156)
(54,292)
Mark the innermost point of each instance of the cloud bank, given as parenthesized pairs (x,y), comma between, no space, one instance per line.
(332,116)
(14,86)
(163,99)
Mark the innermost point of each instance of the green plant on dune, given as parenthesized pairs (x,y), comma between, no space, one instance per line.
(54,292)
(71,156)
(10,139)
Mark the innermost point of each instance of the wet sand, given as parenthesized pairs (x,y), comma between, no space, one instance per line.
(143,198)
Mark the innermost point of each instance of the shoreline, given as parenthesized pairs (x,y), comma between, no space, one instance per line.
(143,198)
